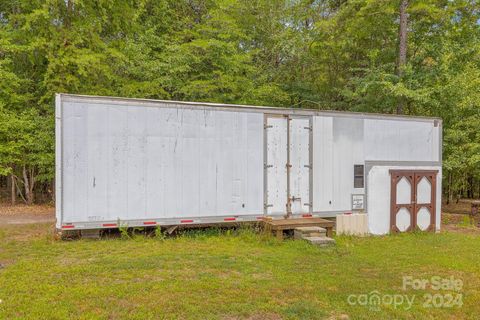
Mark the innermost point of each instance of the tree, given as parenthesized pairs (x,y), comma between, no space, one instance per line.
(402,48)
(327,54)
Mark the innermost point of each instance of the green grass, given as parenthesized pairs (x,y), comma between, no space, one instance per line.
(227,275)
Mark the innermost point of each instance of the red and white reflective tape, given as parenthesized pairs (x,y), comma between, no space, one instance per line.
(230,219)
(186,221)
(109,225)
(306,215)
(148,223)
(68,226)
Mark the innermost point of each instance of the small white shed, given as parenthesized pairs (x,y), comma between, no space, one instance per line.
(140,162)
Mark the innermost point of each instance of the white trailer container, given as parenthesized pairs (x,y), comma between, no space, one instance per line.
(141,162)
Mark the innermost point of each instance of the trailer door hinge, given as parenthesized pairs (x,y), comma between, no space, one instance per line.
(267,126)
(268,205)
(309,166)
(268,166)
(308,128)
(307,204)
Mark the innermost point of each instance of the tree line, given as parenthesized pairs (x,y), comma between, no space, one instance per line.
(387,56)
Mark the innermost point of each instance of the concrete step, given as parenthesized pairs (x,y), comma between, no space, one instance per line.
(320,241)
(302,232)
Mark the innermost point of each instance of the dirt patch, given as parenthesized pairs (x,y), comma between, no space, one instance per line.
(38,210)
(458,223)
(456,218)
(22,214)
(464,206)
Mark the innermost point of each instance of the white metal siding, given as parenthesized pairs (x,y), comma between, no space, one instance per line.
(130,162)
(58,162)
(337,147)
(347,151)
(339,143)
(133,159)
(394,140)
(322,163)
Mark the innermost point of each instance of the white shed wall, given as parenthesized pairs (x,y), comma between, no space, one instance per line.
(379,197)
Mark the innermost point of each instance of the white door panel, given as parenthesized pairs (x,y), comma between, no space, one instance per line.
(300,161)
(276,165)
(278,183)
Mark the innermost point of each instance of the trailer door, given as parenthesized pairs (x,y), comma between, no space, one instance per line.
(275,165)
(287,165)
(300,165)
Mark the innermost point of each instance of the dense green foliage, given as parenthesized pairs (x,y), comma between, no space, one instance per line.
(328,54)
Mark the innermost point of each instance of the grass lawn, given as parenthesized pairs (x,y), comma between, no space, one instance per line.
(228,275)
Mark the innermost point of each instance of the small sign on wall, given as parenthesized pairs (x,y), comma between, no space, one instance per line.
(358,202)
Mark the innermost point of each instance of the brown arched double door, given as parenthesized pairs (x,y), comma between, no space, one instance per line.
(413,199)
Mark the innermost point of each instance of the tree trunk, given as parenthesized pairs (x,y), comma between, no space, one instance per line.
(13,190)
(402,49)
(469,187)
(478,195)
(447,189)
(450,191)
(28,183)
(53,190)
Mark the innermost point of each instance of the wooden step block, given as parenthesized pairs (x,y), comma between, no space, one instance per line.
(320,241)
